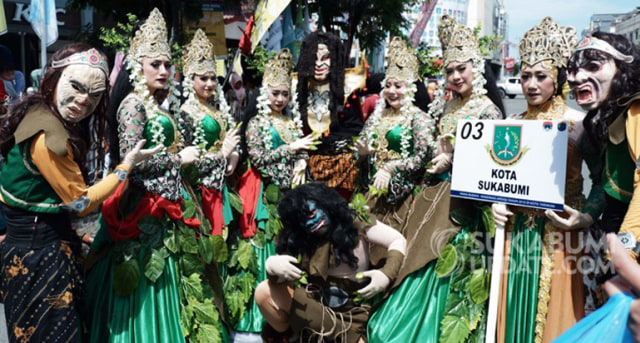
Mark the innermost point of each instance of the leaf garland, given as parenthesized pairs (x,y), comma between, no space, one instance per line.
(465,263)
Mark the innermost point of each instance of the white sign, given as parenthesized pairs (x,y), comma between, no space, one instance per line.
(518,162)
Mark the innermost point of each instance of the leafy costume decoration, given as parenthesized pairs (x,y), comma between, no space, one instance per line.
(151,284)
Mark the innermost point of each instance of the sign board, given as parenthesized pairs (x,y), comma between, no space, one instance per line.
(517,162)
(212,23)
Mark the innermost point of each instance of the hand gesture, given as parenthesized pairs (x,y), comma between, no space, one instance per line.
(382,179)
(232,163)
(501,214)
(440,163)
(298,177)
(283,267)
(189,155)
(445,144)
(362,148)
(576,219)
(379,283)
(230,142)
(307,142)
(137,154)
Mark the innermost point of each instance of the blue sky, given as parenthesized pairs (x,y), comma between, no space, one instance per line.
(523,14)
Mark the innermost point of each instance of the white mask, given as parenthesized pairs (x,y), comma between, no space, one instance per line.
(79,91)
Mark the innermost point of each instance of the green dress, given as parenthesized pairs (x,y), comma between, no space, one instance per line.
(150,284)
(421,306)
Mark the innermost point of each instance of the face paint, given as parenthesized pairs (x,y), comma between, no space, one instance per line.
(591,81)
(323,63)
(317,221)
(79,91)
(205,85)
(537,83)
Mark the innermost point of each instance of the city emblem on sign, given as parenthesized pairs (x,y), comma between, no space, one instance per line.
(506,149)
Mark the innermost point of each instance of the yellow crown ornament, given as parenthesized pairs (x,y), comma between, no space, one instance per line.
(150,40)
(277,71)
(403,64)
(459,43)
(548,41)
(198,58)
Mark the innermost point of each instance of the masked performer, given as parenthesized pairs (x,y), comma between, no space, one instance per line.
(604,73)
(543,290)
(211,129)
(320,280)
(402,317)
(276,153)
(330,107)
(45,140)
(149,285)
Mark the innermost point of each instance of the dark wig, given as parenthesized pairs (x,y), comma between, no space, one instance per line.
(492,90)
(293,210)
(84,135)
(305,68)
(625,83)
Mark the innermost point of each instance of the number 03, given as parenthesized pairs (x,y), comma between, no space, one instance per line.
(473,130)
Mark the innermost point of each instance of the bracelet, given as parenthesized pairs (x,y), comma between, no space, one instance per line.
(122,174)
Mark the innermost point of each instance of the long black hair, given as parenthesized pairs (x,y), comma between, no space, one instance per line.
(625,83)
(492,90)
(89,131)
(305,68)
(294,211)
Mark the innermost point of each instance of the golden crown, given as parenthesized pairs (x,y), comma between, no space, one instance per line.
(403,64)
(151,38)
(277,71)
(459,43)
(198,56)
(548,41)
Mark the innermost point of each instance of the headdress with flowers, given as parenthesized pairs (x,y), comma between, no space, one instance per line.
(277,72)
(151,41)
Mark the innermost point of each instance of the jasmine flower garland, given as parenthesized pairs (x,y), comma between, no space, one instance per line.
(264,112)
(136,77)
(477,91)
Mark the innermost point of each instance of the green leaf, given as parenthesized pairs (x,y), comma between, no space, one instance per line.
(488,220)
(187,240)
(191,264)
(192,286)
(236,202)
(205,249)
(454,329)
(235,306)
(245,254)
(272,194)
(186,316)
(258,239)
(188,209)
(126,277)
(205,312)
(207,333)
(170,241)
(479,285)
(149,224)
(218,248)
(155,265)
(460,217)
(247,284)
(447,261)
(457,305)
(460,281)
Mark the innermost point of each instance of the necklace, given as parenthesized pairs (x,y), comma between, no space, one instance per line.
(552,109)
(284,126)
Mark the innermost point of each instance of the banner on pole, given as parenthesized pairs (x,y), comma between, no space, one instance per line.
(42,15)
(267,12)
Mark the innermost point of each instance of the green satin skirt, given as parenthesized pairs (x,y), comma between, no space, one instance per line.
(413,311)
(524,275)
